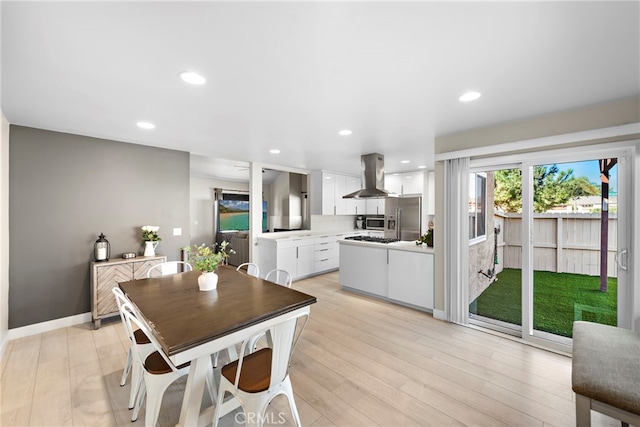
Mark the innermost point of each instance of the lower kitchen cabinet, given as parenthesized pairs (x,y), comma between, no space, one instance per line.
(364,269)
(106,275)
(401,276)
(297,256)
(410,277)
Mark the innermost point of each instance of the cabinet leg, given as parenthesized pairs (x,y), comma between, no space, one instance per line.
(96,323)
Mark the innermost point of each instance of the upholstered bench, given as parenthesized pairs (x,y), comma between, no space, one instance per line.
(606,372)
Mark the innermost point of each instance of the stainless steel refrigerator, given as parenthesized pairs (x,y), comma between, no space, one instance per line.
(402,217)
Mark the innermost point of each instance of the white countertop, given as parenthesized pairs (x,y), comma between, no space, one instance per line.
(305,233)
(397,246)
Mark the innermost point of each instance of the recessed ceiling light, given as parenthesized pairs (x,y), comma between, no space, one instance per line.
(193,78)
(345,132)
(422,167)
(274,151)
(395,174)
(469,96)
(405,161)
(146,125)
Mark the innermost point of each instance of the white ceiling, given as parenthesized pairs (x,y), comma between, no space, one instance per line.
(290,75)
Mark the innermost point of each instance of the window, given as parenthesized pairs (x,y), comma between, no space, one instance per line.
(477,207)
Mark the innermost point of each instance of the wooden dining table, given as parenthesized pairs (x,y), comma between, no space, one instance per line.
(191,325)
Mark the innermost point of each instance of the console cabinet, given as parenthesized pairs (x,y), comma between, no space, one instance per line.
(106,275)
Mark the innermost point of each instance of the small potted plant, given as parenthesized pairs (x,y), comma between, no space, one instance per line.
(151,239)
(206,260)
(426,238)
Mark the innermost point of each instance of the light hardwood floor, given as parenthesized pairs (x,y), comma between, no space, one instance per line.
(360,362)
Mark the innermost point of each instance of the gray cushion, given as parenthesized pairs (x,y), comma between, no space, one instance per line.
(606,365)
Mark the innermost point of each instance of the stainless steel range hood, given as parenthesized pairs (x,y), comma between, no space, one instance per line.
(372,170)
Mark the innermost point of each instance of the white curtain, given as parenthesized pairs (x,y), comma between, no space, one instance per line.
(456,240)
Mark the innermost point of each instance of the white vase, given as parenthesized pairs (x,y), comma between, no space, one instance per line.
(208,281)
(150,248)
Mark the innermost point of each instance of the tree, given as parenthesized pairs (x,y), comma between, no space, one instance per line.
(551,187)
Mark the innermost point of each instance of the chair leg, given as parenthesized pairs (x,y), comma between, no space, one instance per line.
(142,392)
(583,411)
(127,368)
(217,412)
(136,380)
(292,402)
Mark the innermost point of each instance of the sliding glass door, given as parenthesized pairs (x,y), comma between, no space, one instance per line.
(552,249)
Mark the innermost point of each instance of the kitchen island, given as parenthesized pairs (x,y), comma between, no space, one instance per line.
(400,272)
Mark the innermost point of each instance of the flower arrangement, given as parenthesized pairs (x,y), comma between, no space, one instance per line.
(205,258)
(150,233)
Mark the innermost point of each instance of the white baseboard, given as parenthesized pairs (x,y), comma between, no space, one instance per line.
(439,314)
(50,325)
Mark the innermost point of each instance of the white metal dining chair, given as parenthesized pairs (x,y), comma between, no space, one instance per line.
(255,379)
(167,268)
(279,276)
(158,373)
(144,347)
(251,268)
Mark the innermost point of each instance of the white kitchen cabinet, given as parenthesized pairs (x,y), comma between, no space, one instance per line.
(325,253)
(301,257)
(393,183)
(296,256)
(403,275)
(364,268)
(405,183)
(410,278)
(354,206)
(375,206)
(340,190)
(413,183)
(327,189)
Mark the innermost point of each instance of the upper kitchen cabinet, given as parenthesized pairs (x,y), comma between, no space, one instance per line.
(413,183)
(354,206)
(405,183)
(393,183)
(327,189)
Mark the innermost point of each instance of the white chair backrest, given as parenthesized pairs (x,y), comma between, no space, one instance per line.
(121,299)
(285,336)
(252,269)
(131,319)
(281,277)
(169,267)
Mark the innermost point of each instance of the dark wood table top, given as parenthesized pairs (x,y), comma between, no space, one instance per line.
(184,317)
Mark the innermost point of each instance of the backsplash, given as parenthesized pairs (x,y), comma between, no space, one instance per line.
(332,222)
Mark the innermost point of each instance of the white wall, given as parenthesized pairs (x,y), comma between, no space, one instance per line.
(201,206)
(4,232)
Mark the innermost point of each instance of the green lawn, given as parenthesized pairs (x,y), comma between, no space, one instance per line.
(558,300)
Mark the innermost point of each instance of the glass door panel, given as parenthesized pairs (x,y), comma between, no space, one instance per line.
(574,239)
(495,250)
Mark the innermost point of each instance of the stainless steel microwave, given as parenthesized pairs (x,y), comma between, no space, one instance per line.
(374,223)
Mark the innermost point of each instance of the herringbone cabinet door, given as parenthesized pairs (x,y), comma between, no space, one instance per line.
(108,277)
(140,268)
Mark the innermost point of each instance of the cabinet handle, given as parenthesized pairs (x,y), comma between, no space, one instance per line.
(334,209)
(297,254)
(323,250)
(323,260)
(387,257)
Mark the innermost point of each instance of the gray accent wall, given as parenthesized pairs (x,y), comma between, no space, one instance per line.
(64,190)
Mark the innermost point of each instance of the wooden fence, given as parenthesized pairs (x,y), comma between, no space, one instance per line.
(563,242)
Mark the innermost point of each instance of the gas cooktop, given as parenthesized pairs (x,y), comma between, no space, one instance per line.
(372,239)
